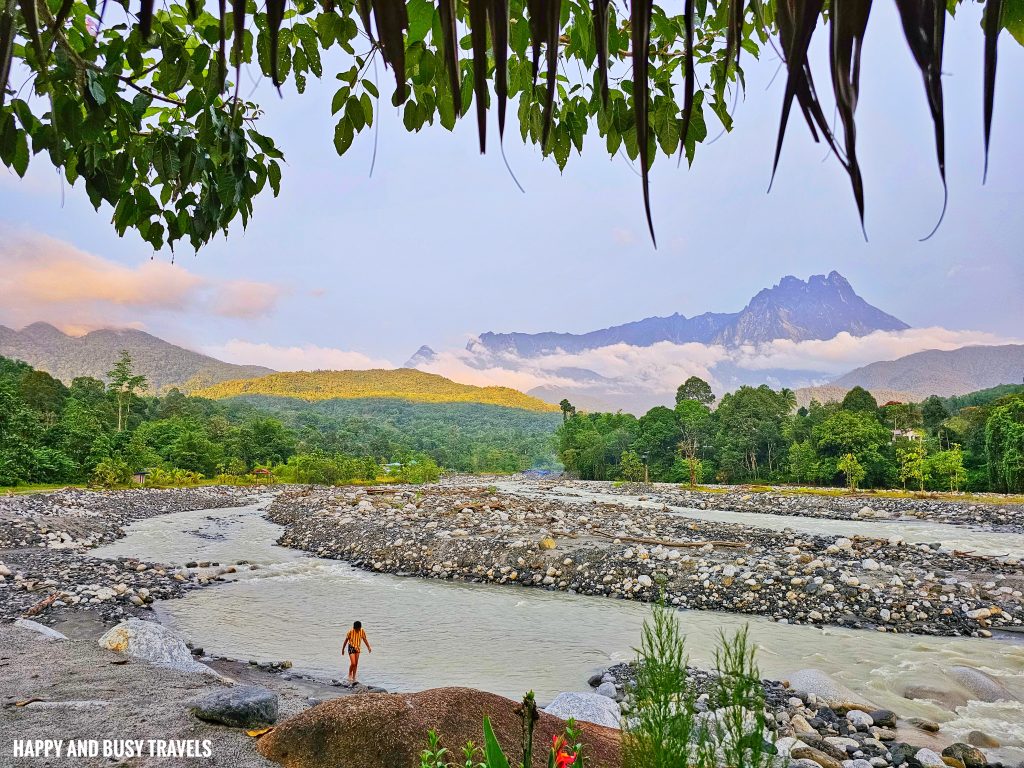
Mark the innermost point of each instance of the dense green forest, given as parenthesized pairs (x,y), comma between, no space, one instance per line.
(102,432)
(974,442)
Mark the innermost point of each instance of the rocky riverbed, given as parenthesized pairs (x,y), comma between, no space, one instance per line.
(461,529)
(46,571)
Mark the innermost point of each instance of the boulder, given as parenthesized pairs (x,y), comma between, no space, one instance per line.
(154,643)
(929,759)
(824,686)
(982,739)
(390,729)
(948,698)
(803,752)
(243,706)
(972,757)
(607,689)
(42,629)
(982,687)
(586,707)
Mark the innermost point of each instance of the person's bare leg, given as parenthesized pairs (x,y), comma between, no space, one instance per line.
(355,666)
(352,664)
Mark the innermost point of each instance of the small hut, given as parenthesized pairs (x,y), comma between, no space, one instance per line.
(139,478)
(263,475)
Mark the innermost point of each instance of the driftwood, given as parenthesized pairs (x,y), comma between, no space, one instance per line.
(675,544)
(42,605)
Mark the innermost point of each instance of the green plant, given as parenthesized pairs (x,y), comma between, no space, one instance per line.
(434,755)
(738,721)
(111,472)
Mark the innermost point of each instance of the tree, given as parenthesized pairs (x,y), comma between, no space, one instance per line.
(695,389)
(567,410)
(1004,446)
(631,467)
(657,441)
(694,419)
(859,400)
(802,461)
(855,433)
(910,455)
(124,383)
(933,413)
(153,104)
(852,470)
(949,466)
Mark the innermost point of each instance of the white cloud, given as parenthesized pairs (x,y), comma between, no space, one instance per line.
(306,357)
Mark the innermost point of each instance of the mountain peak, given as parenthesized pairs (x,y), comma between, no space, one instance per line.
(819,307)
(422,356)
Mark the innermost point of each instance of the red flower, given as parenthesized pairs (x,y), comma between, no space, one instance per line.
(564,759)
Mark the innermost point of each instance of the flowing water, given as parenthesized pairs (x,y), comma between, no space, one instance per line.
(963,538)
(508,639)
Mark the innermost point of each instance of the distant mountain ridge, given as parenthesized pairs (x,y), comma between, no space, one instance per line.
(819,308)
(398,383)
(164,365)
(943,373)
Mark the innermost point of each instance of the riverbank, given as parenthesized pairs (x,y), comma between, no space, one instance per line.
(46,571)
(532,533)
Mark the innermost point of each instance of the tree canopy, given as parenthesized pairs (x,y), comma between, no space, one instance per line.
(146,108)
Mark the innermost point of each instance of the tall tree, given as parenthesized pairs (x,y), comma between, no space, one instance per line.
(124,383)
(859,400)
(933,413)
(694,420)
(695,389)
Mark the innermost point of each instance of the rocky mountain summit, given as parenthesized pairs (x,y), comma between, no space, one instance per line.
(817,308)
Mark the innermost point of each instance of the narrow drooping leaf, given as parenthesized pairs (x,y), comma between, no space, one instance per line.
(275,16)
(849,21)
(537,11)
(192,9)
(498,13)
(238,32)
(447,9)
(924,25)
(552,25)
(145,17)
(222,56)
(478,38)
(6,46)
(734,33)
(392,20)
(640,32)
(600,12)
(993,25)
(363,8)
(689,75)
(797,20)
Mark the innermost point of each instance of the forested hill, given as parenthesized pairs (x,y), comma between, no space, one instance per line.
(163,364)
(401,383)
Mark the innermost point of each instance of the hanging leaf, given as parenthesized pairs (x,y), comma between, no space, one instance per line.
(145,17)
(552,26)
(600,13)
(363,8)
(447,10)
(924,23)
(238,22)
(849,21)
(275,16)
(6,46)
(993,24)
(478,37)
(689,77)
(499,43)
(392,20)
(734,33)
(640,31)
(222,57)
(538,11)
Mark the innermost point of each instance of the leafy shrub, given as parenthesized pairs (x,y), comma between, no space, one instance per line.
(111,472)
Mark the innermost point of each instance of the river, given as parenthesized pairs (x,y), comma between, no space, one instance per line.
(509,639)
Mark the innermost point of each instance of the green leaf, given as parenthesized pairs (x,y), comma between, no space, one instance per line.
(20,161)
(274,175)
(421,17)
(343,135)
(492,749)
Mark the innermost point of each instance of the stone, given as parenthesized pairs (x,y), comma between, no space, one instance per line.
(982,739)
(152,642)
(382,729)
(951,699)
(970,756)
(547,543)
(607,689)
(586,707)
(859,719)
(884,718)
(983,687)
(42,629)
(923,724)
(243,706)
(803,752)
(929,759)
(595,679)
(835,694)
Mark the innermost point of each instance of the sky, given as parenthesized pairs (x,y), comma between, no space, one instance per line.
(348,270)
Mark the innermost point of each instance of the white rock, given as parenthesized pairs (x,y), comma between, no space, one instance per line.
(152,642)
(929,759)
(42,629)
(588,707)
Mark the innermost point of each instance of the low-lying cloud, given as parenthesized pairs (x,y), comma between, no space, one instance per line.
(43,278)
(306,357)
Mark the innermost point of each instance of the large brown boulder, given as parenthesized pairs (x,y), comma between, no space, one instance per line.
(389,730)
